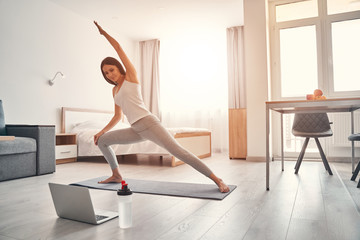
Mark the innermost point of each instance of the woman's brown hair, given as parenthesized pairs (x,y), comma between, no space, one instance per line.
(111,61)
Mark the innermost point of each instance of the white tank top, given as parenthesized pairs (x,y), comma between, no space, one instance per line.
(131,102)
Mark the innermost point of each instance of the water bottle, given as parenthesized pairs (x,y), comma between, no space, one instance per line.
(125,200)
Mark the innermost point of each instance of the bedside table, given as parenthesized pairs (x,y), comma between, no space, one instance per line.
(66,148)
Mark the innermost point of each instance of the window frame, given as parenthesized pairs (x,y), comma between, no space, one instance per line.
(322,25)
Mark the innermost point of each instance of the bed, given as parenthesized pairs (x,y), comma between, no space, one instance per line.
(87,122)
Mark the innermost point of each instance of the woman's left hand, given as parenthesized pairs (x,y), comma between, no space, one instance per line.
(96,137)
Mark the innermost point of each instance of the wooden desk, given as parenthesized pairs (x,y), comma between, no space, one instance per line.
(305,106)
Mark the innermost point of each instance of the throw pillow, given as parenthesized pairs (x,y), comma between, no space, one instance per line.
(2,120)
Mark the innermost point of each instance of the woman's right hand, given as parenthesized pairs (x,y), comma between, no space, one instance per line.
(96,137)
(99,28)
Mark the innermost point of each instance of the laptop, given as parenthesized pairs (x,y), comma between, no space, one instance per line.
(74,203)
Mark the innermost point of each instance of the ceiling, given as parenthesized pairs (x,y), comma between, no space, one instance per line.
(146,19)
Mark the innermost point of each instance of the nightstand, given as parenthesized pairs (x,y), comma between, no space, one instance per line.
(66,148)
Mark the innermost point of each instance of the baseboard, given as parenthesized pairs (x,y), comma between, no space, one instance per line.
(256,159)
(342,159)
(330,159)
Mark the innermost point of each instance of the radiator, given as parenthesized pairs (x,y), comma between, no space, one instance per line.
(342,128)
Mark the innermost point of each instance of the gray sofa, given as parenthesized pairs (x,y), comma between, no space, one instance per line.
(31,153)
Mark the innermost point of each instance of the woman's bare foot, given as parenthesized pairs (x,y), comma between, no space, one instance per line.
(112,179)
(115,178)
(220,183)
(222,186)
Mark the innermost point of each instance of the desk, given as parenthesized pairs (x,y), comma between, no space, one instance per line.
(305,106)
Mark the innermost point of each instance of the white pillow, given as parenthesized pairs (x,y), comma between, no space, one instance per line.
(88,125)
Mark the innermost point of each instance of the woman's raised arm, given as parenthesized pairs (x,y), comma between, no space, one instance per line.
(130,69)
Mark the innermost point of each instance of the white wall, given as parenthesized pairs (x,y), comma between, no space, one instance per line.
(256,73)
(39,38)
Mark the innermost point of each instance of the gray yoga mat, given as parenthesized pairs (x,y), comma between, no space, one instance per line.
(179,189)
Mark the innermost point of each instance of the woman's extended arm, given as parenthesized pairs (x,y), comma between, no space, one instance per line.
(115,119)
(130,69)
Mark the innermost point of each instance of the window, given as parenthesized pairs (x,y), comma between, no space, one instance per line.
(346,55)
(314,44)
(298,61)
(342,6)
(297,10)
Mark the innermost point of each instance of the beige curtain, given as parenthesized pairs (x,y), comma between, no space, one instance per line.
(236,75)
(149,74)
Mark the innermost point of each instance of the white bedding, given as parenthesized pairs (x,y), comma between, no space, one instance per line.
(87,129)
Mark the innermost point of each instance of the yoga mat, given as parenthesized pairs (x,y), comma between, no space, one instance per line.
(179,189)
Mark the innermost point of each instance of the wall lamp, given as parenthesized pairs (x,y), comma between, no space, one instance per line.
(51,82)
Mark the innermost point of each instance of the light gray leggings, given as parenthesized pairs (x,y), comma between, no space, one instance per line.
(148,128)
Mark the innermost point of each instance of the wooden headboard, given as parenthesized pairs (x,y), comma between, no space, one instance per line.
(71,116)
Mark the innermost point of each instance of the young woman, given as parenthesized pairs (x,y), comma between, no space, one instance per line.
(144,125)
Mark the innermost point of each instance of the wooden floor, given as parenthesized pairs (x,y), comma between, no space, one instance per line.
(310,205)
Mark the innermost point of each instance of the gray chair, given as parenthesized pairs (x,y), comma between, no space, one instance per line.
(352,138)
(312,125)
(31,153)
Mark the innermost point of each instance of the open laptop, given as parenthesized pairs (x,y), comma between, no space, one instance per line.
(72,202)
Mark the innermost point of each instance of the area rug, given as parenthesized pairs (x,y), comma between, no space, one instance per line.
(178,189)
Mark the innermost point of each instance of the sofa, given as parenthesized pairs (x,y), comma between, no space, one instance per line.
(30,153)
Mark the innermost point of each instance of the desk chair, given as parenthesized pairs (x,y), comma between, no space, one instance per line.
(312,125)
(352,138)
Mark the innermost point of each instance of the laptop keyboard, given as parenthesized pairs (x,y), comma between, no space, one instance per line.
(100,217)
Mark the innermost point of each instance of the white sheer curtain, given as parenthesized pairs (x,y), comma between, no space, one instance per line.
(235,46)
(215,120)
(194,84)
(149,74)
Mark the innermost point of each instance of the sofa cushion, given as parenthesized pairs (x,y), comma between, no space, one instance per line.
(17,166)
(17,146)
(2,120)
